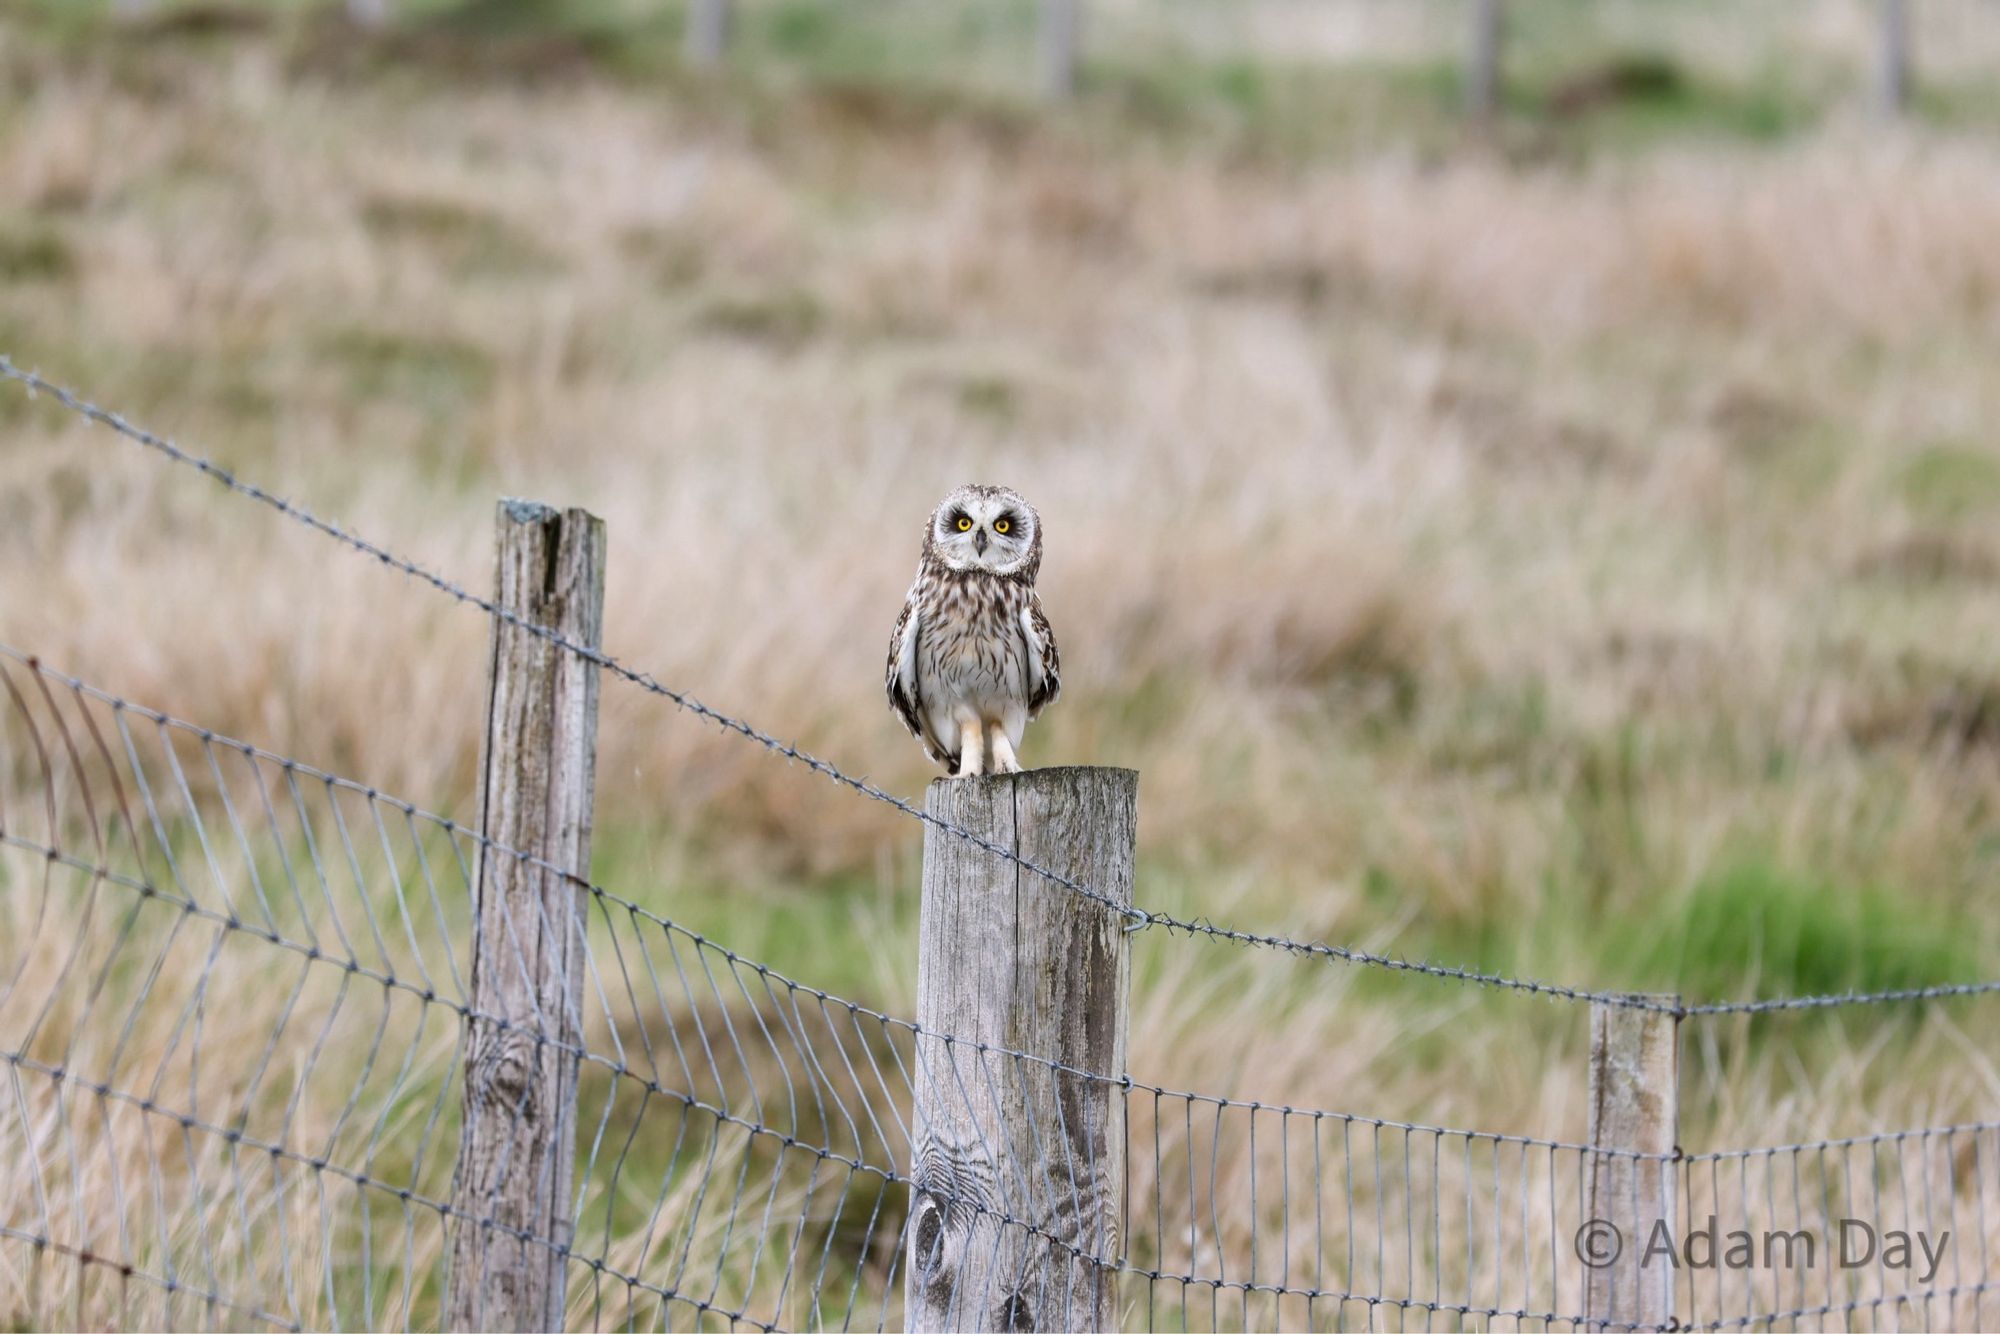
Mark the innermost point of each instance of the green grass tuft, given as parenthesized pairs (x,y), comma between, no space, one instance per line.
(34,252)
(1755,926)
(1951,481)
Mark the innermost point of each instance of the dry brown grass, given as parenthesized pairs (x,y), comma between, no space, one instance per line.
(1476,558)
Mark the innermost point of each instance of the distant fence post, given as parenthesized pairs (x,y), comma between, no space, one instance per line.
(369,13)
(707,37)
(1482,60)
(1018,1166)
(1892,78)
(516,1156)
(1634,1109)
(1061,35)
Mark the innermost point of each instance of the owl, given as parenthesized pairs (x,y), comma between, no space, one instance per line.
(972,658)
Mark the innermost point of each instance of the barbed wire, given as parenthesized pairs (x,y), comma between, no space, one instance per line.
(1141,918)
(85,787)
(1371,1215)
(628,907)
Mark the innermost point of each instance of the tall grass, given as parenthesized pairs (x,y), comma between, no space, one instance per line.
(1569,554)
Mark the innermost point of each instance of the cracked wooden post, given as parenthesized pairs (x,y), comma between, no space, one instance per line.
(1634,1109)
(517,1149)
(1019,1166)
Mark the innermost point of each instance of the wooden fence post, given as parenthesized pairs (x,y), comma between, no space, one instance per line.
(1061,34)
(516,1157)
(1482,60)
(1019,1166)
(707,37)
(1634,1109)
(1892,77)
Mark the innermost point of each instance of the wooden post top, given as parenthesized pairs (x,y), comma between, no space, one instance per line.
(1054,775)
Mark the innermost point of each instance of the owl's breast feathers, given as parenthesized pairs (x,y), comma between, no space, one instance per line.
(968,638)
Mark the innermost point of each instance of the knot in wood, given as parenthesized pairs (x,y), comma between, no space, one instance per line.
(953,1196)
(955,1176)
(502,1070)
(928,1230)
(1017,1312)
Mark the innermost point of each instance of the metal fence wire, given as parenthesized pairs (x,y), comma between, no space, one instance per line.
(235,1015)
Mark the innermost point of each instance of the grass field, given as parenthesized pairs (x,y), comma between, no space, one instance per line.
(1567,549)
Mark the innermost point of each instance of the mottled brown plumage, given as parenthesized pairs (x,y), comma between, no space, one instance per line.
(972,658)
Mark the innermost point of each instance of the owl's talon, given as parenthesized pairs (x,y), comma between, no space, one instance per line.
(1003,753)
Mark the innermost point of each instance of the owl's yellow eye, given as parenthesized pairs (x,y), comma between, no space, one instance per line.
(1001,525)
(964,524)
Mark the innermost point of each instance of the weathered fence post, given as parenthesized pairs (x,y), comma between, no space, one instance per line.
(516,1155)
(1061,32)
(1482,60)
(1019,1165)
(1892,75)
(707,37)
(1634,1110)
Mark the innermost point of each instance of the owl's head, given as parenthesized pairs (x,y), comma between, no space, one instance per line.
(986,528)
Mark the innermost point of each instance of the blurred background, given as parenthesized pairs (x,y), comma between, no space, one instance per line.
(1548,530)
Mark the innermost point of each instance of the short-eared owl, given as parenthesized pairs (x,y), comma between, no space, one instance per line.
(972,658)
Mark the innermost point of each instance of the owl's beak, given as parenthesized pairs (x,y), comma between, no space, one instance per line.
(979,541)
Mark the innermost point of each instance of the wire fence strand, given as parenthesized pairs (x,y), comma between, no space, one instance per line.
(1140,917)
(236,1032)
(234,1014)
(234,1019)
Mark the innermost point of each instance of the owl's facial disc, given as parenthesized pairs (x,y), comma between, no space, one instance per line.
(981,530)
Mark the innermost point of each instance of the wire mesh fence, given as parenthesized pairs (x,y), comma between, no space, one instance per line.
(1880,1229)
(234,1020)
(235,1023)
(236,1017)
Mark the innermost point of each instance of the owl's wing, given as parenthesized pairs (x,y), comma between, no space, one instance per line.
(902,669)
(1044,663)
